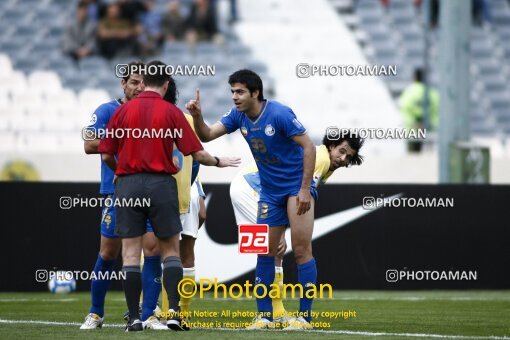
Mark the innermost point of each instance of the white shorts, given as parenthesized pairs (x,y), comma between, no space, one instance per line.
(244,200)
(189,221)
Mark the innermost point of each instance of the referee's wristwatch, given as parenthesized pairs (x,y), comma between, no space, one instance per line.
(218,161)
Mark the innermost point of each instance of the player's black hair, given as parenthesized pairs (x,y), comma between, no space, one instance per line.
(155,74)
(126,72)
(171,94)
(250,79)
(354,141)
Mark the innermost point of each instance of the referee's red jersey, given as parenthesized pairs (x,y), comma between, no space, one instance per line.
(135,133)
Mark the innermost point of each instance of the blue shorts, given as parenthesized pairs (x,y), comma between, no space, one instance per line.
(108,218)
(272,208)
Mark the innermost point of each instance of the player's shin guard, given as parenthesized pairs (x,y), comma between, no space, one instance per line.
(132,289)
(172,275)
(307,273)
(265,275)
(98,288)
(151,279)
(188,273)
(278,309)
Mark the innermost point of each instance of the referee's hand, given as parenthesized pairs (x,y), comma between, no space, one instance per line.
(228,161)
(193,106)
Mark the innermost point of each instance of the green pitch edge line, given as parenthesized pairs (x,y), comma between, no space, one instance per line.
(361,333)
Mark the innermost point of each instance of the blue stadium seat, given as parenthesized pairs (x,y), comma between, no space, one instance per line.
(13,47)
(93,64)
(502,103)
(208,48)
(502,116)
(175,48)
(29,63)
(32,33)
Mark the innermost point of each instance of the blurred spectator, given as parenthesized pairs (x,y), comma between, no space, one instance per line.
(173,22)
(92,10)
(151,37)
(233,12)
(481,11)
(411,105)
(80,34)
(116,35)
(434,13)
(201,24)
(131,9)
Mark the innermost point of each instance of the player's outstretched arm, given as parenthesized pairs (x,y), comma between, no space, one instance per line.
(304,198)
(205,132)
(91,146)
(203,157)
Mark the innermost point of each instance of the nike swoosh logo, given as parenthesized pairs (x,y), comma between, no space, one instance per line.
(223,261)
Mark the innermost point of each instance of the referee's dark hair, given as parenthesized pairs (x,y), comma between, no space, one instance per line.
(127,71)
(155,74)
(352,138)
(171,94)
(250,79)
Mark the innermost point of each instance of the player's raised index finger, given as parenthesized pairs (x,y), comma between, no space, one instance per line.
(198,94)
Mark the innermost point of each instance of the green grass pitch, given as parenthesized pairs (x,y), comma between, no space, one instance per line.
(391,315)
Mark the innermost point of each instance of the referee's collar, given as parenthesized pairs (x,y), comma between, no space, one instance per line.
(149,94)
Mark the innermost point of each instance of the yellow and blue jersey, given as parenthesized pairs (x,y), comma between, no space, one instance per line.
(321,172)
(184,177)
(99,121)
(279,159)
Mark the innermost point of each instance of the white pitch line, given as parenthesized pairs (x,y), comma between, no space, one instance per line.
(41,300)
(361,333)
(421,298)
(345,298)
(408,298)
(52,323)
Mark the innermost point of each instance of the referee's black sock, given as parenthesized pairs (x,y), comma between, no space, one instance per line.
(172,275)
(132,290)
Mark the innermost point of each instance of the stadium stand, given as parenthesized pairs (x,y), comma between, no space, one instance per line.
(42,84)
(46,97)
(396,35)
(315,35)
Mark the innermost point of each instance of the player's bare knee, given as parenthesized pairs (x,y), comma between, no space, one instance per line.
(151,249)
(109,250)
(108,254)
(302,253)
(131,259)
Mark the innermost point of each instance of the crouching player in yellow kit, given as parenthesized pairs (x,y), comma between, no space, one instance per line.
(245,191)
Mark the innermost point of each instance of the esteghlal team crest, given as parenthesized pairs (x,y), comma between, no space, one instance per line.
(244,131)
(269,130)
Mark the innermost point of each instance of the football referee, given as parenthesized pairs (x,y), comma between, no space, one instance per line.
(143,167)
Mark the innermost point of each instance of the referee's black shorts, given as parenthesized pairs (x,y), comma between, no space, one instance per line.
(162,211)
